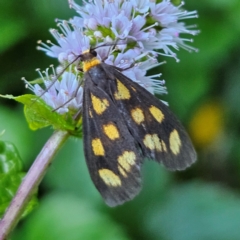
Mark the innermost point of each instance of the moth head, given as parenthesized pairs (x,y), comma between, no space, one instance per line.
(87,55)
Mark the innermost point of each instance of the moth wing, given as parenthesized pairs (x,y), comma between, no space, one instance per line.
(159,134)
(112,156)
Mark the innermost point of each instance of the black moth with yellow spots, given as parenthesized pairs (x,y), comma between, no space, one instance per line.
(123,124)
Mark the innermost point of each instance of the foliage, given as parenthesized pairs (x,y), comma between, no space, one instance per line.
(11,175)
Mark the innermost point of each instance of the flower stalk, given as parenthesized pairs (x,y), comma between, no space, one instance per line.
(30,182)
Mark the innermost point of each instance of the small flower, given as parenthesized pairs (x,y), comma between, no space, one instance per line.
(156,28)
(121,26)
(73,42)
(63,96)
(134,18)
(168,17)
(136,71)
(141,6)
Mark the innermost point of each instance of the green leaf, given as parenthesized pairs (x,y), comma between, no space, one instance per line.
(195,211)
(64,216)
(40,115)
(11,176)
(9,158)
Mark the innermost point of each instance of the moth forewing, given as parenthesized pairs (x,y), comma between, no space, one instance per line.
(153,126)
(111,153)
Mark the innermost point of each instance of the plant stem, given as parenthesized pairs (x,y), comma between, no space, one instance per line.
(31,182)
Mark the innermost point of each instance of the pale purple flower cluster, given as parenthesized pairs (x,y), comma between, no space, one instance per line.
(140,29)
(63,96)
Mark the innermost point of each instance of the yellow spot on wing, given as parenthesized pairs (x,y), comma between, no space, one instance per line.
(125,161)
(157,113)
(99,105)
(164,146)
(137,115)
(152,142)
(109,177)
(120,169)
(111,131)
(90,63)
(97,147)
(122,92)
(175,142)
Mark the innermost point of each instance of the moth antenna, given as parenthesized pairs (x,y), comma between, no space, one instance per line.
(59,75)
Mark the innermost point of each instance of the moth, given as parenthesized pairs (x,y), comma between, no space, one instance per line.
(124,124)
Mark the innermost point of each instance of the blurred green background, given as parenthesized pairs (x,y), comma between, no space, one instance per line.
(201,203)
